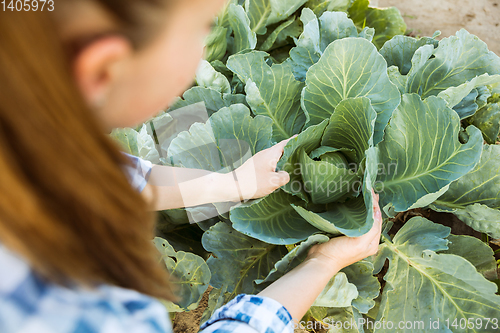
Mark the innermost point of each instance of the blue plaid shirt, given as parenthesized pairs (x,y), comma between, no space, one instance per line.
(30,305)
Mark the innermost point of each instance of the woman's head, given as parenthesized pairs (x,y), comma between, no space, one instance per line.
(66,78)
(131,74)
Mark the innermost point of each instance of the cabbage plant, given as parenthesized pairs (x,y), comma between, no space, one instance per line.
(414,119)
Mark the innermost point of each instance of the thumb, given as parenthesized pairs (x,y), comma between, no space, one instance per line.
(283,143)
(283,177)
(280,147)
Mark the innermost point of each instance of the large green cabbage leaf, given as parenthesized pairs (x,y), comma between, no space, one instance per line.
(271,91)
(455,61)
(272,219)
(190,272)
(239,260)
(350,68)
(421,153)
(317,35)
(419,281)
(226,141)
(475,198)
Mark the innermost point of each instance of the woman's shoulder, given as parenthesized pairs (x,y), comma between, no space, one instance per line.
(30,304)
(14,272)
(138,171)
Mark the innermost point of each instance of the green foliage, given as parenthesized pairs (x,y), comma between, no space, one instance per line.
(191,275)
(372,109)
(413,144)
(387,22)
(445,280)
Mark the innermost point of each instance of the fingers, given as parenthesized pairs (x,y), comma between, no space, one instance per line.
(377,213)
(283,178)
(281,145)
(374,233)
(277,152)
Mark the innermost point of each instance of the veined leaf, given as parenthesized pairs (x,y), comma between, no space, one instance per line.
(278,34)
(348,218)
(320,6)
(325,181)
(308,50)
(361,275)
(456,60)
(317,35)
(347,319)
(353,217)
(400,50)
(208,77)
(226,141)
(271,91)
(320,151)
(455,96)
(419,281)
(292,259)
(387,22)
(488,121)
(258,12)
(354,283)
(281,10)
(468,106)
(419,59)
(397,79)
(309,140)
(476,252)
(271,219)
(239,259)
(350,68)
(244,37)
(369,181)
(485,94)
(481,218)
(421,151)
(481,185)
(163,130)
(338,293)
(351,126)
(190,272)
(213,100)
(475,198)
(139,144)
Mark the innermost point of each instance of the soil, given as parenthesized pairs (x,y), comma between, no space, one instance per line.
(189,322)
(424,17)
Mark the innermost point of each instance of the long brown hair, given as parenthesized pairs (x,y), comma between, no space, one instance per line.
(65,203)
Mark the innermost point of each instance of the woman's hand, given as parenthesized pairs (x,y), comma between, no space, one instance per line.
(308,279)
(343,251)
(257,177)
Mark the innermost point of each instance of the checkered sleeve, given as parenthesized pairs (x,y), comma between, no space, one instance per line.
(138,173)
(250,314)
